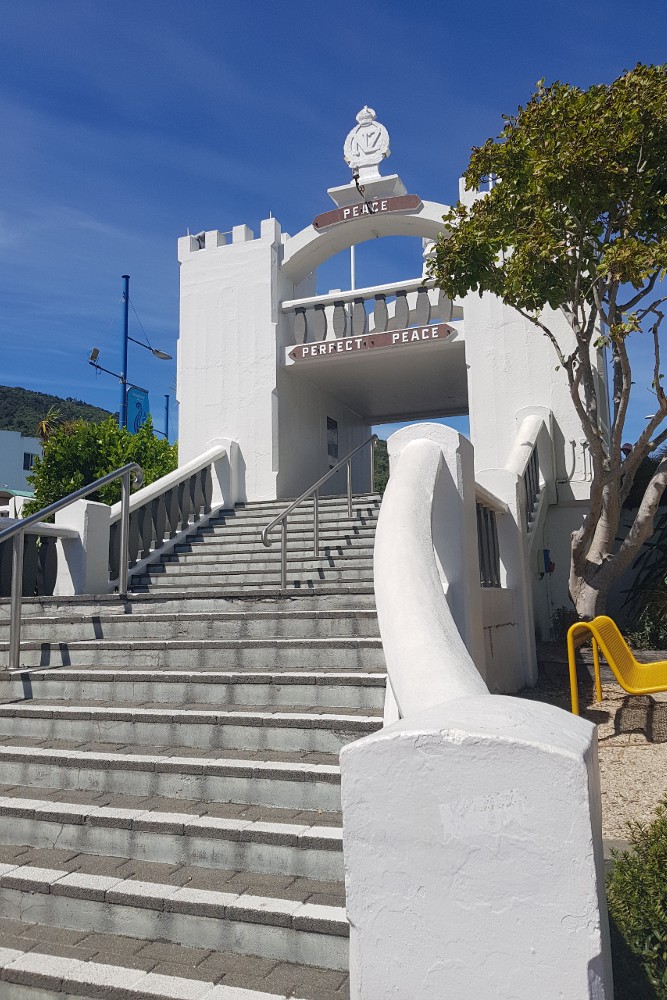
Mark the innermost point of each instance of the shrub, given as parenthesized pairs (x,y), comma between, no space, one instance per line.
(637,898)
(77,453)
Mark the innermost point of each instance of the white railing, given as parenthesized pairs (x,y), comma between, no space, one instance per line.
(472,820)
(162,513)
(531,460)
(376,309)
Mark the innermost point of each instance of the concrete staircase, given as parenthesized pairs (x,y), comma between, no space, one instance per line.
(170,788)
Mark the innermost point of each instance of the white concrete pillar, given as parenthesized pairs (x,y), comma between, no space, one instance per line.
(473,856)
(83,562)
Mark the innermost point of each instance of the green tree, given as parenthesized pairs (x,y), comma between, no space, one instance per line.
(578,222)
(77,453)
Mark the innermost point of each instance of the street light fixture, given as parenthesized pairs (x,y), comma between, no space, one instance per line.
(122,376)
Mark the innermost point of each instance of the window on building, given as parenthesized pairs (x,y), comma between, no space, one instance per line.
(28,460)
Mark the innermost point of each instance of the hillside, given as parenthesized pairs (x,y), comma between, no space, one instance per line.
(22,409)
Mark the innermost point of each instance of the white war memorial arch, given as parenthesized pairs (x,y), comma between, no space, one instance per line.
(298,378)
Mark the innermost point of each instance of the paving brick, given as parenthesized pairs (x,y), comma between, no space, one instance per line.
(92,864)
(150,895)
(302,980)
(175,954)
(238,969)
(172,987)
(32,879)
(84,886)
(47,857)
(151,871)
(200,902)
(259,910)
(115,944)
(185,972)
(45,934)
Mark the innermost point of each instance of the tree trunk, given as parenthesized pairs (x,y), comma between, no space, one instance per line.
(590,598)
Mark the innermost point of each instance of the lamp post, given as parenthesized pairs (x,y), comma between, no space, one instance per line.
(122,376)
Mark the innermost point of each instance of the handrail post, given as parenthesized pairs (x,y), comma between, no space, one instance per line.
(124,554)
(349,487)
(283,556)
(15,607)
(373,443)
(316,523)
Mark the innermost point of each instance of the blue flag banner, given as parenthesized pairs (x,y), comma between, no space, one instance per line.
(137,409)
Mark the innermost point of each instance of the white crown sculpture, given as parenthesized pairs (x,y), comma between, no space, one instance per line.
(366,145)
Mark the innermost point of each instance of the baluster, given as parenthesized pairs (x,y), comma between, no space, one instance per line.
(359,318)
(194,498)
(319,323)
(5,569)
(145,528)
(171,508)
(422,308)
(200,478)
(339,321)
(134,539)
(159,520)
(495,550)
(401,311)
(30,564)
(381,314)
(300,326)
(114,549)
(184,504)
(48,566)
(207,486)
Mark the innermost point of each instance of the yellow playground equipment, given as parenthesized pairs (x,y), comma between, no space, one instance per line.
(634,677)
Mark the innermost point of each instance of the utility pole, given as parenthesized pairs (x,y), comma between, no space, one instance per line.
(122,412)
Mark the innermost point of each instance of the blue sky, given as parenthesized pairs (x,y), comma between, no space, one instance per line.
(124,123)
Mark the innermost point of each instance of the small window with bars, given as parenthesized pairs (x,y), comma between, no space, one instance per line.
(489,551)
(28,460)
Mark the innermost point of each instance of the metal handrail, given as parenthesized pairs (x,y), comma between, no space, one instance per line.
(314,492)
(17,531)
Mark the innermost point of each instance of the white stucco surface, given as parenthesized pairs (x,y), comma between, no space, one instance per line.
(474,858)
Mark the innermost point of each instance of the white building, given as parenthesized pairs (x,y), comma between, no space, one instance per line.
(17,455)
(298,378)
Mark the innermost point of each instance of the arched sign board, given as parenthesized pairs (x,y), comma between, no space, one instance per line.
(336,231)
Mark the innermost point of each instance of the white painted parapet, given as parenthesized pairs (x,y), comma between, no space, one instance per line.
(83,558)
(473,856)
(471,825)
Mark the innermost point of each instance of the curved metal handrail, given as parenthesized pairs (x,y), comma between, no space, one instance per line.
(314,492)
(17,531)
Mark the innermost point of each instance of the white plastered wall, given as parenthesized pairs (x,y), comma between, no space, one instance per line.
(230,380)
(511,367)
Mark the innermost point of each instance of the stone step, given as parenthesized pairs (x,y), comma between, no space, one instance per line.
(237,624)
(256,582)
(239,543)
(298,781)
(41,962)
(220,654)
(259,556)
(300,531)
(203,834)
(281,918)
(260,562)
(200,625)
(342,689)
(325,599)
(243,728)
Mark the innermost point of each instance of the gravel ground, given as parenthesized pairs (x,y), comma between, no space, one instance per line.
(632,736)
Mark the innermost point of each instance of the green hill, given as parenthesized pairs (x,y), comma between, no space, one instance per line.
(21,409)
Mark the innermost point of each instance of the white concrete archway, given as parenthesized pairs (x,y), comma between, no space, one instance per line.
(308,249)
